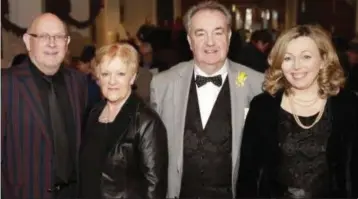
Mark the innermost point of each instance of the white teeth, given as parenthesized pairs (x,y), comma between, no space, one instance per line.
(50,53)
(298,75)
(210,51)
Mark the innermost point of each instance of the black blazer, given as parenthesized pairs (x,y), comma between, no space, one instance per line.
(260,150)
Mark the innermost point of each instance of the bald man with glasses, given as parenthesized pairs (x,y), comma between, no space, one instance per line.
(42,107)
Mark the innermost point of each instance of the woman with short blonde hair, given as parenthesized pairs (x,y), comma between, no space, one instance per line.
(124,152)
(125,52)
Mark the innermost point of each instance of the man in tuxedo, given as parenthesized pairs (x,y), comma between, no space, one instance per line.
(41,116)
(203,102)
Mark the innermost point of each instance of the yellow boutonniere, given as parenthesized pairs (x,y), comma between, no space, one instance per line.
(240,79)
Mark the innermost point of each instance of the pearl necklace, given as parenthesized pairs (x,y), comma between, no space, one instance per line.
(297,119)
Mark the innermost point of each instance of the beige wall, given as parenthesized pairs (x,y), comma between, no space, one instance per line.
(79,37)
(108,23)
(177,8)
(22,12)
(291,13)
(135,13)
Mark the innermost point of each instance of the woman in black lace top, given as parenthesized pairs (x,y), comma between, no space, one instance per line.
(300,135)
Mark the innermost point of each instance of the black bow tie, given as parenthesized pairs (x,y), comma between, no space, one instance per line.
(201,80)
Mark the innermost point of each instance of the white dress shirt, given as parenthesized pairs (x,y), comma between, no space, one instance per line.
(208,93)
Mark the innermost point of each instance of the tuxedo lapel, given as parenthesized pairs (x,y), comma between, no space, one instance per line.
(30,92)
(238,96)
(181,94)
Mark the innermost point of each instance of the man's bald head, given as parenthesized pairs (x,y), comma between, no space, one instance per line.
(47,17)
(47,42)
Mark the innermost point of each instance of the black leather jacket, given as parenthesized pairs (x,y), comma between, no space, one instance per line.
(137,164)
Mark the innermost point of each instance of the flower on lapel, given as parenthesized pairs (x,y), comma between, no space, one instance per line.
(240,79)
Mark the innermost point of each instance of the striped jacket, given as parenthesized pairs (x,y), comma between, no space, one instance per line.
(26,146)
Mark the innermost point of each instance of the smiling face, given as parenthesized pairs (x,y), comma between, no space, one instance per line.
(47,43)
(302,63)
(115,79)
(209,38)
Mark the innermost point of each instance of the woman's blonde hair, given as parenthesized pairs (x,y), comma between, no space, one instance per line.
(125,52)
(330,77)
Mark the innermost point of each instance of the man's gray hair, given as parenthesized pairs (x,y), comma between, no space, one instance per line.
(206,5)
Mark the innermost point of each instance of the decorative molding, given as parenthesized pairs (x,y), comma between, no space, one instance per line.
(61,8)
(5,21)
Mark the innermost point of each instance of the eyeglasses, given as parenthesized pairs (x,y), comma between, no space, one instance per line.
(47,37)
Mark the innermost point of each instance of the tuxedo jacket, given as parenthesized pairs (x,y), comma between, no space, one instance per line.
(169,97)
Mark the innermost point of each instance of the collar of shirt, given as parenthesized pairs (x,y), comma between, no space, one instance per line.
(223,71)
(39,74)
(208,93)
